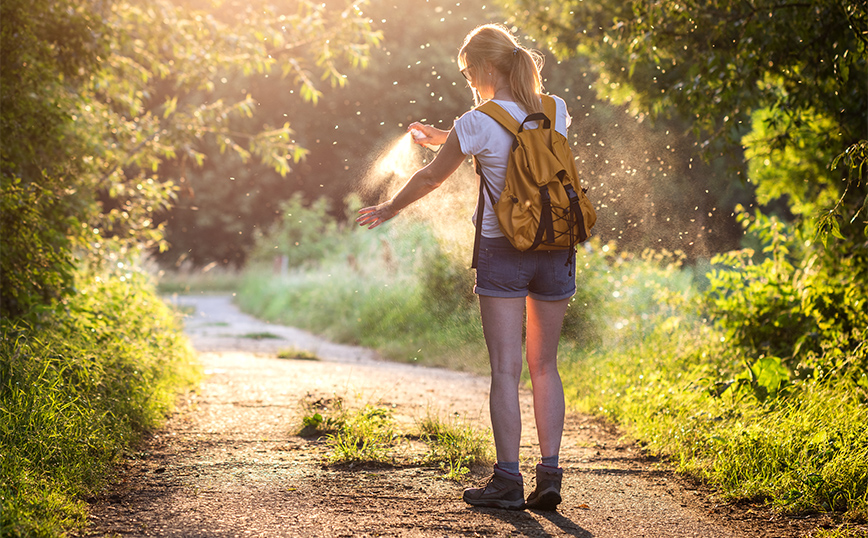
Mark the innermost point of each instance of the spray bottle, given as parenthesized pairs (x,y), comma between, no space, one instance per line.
(417,134)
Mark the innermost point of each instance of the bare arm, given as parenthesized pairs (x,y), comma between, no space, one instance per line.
(425,180)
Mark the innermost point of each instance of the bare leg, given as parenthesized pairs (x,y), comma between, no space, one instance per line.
(544,321)
(502,321)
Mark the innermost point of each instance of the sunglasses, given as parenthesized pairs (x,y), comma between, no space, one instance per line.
(464,73)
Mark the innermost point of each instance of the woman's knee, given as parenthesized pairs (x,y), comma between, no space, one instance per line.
(543,368)
(506,376)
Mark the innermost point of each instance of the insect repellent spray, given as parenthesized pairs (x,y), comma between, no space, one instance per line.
(417,135)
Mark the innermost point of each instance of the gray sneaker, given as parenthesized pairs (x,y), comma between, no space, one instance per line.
(547,493)
(503,490)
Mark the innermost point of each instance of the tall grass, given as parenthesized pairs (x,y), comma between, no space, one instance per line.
(639,346)
(455,445)
(368,292)
(807,449)
(76,391)
(675,382)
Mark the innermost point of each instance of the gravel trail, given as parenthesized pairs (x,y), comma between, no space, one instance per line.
(229,462)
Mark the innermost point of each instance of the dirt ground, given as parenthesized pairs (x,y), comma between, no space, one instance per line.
(229,462)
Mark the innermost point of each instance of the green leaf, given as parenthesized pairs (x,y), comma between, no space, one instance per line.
(170,106)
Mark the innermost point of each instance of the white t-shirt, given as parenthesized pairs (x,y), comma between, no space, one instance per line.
(479,134)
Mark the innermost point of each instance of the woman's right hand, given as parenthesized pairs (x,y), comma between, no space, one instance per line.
(427,135)
(376,215)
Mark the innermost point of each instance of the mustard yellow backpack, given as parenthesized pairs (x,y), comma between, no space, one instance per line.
(542,206)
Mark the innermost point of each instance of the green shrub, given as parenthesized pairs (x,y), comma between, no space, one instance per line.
(790,304)
(305,235)
(76,391)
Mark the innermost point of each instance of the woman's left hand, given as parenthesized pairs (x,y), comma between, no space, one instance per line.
(375,215)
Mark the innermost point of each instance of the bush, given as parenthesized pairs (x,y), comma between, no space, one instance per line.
(396,289)
(792,302)
(305,235)
(77,389)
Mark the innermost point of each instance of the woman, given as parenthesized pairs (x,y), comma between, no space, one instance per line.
(508,282)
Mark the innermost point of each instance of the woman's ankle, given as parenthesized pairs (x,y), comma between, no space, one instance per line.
(550,461)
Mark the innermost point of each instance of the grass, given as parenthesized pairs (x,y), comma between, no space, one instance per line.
(455,446)
(381,305)
(637,347)
(265,335)
(76,391)
(185,280)
(806,450)
(370,436)
(323,417)
(365,436)
(843,532)
(297,354)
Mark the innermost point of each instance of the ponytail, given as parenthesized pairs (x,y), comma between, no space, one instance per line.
(525,79)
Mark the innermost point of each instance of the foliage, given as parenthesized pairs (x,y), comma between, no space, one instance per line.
(305,234)
(186,279)
(769,162)
(293,353)
(688,388)
(386,282)
(841,532)
(789,304)
(621,290)
(410,75)
(323,417)
(75,393)
(138,86)
(635,171)
(48,50)
(365,436)
(801,449)
(789,74)
(370,435)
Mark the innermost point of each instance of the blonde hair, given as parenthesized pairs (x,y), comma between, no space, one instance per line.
(494,44)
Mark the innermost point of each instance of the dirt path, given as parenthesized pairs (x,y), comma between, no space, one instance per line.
(229,462)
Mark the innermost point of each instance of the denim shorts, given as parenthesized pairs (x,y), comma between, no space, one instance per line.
(504,271)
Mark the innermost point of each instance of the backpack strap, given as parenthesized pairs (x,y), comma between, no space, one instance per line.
(546,230)
(576,211)
(550,109)
(501,116)
(480,211)
(505,119)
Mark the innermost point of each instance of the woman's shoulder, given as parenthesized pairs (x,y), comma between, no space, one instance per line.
(563,113)
(475,130)
(474,119)
(559,101)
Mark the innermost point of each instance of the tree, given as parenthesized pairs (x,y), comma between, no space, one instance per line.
(785,84)
(792,74)
(411,75)
(98,96)
(49,48)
